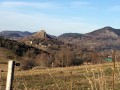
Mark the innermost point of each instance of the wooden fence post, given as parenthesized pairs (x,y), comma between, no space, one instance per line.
(10,75)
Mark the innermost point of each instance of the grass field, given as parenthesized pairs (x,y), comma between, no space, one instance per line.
(86,77)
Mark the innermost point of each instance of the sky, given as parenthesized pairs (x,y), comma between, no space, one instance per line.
(59,16)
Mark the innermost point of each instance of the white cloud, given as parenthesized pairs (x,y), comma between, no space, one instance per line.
(80,4)
(30,4)
(52,25)
(47,5)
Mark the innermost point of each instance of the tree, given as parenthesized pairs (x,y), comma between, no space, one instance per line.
(64,57)
(43,60)
(27,64)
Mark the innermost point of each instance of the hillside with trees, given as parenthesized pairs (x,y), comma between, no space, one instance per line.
(106,38)
(44,50)
(30,56)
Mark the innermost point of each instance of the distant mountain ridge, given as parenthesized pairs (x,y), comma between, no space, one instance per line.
(41,34)
(103,32)
(68,37)
(15,34)
(106,37)
(106,32)
(38,35)
(74,35)
(22,34)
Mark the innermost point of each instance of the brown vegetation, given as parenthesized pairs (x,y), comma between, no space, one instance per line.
(86,77)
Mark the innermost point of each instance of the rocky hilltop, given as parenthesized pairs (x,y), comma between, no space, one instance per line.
(105,32)
(102,39)
(37,35)
(46,50)
(41,34)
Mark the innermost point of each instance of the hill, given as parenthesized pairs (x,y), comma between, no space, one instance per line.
(73,35)
(69,36)
(41,51)
(105,32)
(15,34)
(38,35)
(20,51)
(68,49)
(42,35)
(43,41)
(101,39)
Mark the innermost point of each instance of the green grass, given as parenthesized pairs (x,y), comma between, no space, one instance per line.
(91,77)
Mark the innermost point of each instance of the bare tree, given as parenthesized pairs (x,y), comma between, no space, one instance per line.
(64,57)
(43,60)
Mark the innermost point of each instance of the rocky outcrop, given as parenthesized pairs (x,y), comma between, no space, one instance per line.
(105,32)
(41,34)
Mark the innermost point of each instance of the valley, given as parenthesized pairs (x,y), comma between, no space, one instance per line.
(42,49)
(67,62)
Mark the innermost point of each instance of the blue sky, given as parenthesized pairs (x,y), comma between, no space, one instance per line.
(59,16)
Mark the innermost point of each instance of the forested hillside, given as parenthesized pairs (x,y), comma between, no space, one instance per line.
(41,49)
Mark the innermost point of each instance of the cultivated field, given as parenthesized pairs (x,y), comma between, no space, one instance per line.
(86,77)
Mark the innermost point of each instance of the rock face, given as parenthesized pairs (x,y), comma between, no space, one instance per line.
(100,39)
(109,33)
(105,32)
(42,34)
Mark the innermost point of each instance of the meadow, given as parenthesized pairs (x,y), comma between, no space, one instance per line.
(85,77)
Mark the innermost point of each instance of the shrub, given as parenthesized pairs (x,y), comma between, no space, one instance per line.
(78,61)
(27,64)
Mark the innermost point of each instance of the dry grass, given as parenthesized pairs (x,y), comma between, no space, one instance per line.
(91,77)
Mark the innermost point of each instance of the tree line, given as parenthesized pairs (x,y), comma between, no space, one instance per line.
(63,57)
